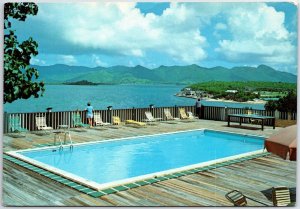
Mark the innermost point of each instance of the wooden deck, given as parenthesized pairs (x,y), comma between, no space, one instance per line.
(255,178)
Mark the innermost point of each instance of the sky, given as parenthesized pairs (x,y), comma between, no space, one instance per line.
(155,34)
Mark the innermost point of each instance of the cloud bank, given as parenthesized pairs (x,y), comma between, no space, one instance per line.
(185,33)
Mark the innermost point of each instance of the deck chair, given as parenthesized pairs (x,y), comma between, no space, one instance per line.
(184,116)
(15,125)
(191,115)
(239,199)
(77,122)
(169,115)
(150,118)
(281,196)
(41,123)
(116,120)
(98,120)
(133,122)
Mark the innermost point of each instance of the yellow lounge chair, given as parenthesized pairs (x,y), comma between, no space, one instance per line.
(135,122)
(116,120)
(183,114)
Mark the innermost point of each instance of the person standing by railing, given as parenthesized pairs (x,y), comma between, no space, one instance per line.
(198,107)
(89,114)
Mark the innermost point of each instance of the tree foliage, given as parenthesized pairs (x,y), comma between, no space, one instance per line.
(19,77)
(271,105)
(284,104)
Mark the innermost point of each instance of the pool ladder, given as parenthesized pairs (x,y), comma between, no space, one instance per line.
(57,134)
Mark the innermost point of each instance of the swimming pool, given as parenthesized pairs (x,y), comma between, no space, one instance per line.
(113,162)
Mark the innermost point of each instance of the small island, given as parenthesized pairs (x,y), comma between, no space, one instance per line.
(82,82)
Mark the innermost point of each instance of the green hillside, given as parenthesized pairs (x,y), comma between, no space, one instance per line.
(162,75)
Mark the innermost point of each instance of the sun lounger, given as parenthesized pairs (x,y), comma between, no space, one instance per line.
(77,122)
(169,115)
(150,118)
(239,199)
(135,122)
(281,196)
(116,120)
(183,114)
(191,115)
(15,125)
(41,123)
(98,120)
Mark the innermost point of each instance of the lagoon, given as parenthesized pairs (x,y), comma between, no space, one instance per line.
(72,97)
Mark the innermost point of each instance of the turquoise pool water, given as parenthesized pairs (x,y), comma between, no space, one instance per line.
(111,161)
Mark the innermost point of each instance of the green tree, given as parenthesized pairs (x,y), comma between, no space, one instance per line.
(287,103)
(19,77)
(271,105)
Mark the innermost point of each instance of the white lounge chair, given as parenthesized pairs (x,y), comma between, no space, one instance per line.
(169,115)
(98,120)
(41,123)
(150,118)
(191,115)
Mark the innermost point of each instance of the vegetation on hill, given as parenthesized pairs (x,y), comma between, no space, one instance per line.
(185,75)
(248,90)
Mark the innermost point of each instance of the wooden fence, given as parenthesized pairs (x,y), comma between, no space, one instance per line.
(53,119)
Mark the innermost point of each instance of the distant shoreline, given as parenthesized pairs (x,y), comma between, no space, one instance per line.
(258,101)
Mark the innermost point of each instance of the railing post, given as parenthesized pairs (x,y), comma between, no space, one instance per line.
(226,113)
(176,111)
(276,114)
(109,115)
(151,106)
(202,111)
(133,113)
(5,124)
(49,116)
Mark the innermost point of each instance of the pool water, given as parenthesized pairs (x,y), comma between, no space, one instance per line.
(110,161)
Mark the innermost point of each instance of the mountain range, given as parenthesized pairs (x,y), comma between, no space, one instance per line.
(162,75)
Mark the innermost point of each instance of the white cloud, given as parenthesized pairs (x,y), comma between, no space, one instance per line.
(246,33)
(98,62)
(35,61)
(68,59)
(259,34)
(120,28)
(220,26)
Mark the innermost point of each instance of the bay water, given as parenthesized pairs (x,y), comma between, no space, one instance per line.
(73,97)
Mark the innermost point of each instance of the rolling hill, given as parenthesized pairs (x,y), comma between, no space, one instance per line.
(162,75)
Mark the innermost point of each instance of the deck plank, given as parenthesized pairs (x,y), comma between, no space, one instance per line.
(22,187)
